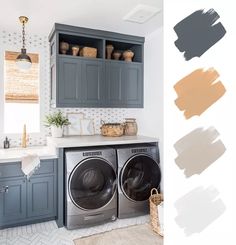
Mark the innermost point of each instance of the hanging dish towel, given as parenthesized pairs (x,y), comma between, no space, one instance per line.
(29,164)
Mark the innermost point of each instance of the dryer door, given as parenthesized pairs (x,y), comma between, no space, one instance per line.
(92,183)
(138,176)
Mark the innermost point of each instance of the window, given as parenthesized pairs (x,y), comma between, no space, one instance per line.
(21,95)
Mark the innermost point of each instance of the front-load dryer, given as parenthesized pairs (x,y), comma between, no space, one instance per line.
(138,173)
(91,187)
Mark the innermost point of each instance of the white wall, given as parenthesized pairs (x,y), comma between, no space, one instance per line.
(150,119)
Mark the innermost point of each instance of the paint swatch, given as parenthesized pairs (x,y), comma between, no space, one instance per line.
(198,150)
(198,209)
(198,32)
(198,91)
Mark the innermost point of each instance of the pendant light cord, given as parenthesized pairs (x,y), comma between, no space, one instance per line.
(23,35)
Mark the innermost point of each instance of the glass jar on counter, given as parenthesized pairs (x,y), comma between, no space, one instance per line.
(131,127)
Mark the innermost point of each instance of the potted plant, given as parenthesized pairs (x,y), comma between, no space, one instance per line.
(56,122)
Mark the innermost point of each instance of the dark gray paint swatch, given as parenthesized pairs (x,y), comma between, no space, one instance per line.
(198,150)
(198,209)
(198,32)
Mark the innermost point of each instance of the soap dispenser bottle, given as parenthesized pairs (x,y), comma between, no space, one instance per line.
(6,143)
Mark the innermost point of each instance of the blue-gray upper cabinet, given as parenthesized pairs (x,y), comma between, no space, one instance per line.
(93,83)
(115,86)
(81,82)
(12,200)
(124,84)
(69,82)
(133,77)
(78,81)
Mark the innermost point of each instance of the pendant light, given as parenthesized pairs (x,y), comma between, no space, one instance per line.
(23,61)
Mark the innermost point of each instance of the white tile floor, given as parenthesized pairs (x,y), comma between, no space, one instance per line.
(47,233)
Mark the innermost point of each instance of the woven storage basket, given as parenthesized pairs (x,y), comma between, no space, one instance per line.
(88,52)
(154,200)
(112,129)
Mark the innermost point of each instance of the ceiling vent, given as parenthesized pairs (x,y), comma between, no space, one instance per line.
(141,13)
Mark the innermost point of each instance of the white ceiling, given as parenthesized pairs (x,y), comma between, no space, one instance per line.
(96,14)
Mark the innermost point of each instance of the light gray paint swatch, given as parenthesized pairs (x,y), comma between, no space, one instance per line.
(198,32)
(198,209)
(198,150)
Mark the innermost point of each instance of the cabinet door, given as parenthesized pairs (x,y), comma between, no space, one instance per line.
(12,201)
(93,83)
(40,196)
(69,82)
(114,84)
(133,80)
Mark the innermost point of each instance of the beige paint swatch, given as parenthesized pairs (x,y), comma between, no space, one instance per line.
(198,150)
(198,91)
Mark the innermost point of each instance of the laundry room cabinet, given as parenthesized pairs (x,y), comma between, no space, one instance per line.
(81,82)
(12,200)
(40,196)
(124,84)
(78,81)
(23,200)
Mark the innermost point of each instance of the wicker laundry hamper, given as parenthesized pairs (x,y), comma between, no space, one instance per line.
(154,200)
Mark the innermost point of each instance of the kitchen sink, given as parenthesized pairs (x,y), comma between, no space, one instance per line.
(16,153)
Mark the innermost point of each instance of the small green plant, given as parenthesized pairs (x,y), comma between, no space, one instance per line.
(56,119)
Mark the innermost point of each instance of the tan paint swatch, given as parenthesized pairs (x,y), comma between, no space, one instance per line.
(198,91)
(198,150)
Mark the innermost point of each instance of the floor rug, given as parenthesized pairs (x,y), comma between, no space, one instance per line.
(133,235)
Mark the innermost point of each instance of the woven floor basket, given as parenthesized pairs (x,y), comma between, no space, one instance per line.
(154,200)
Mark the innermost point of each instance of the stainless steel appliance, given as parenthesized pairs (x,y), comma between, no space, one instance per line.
(91,187)
(138,173)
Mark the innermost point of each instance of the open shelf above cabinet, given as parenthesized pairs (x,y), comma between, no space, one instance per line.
(120,47)
(81,42)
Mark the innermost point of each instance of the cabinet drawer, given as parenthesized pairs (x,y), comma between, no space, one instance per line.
(14,169)
(11,170)
(46,167)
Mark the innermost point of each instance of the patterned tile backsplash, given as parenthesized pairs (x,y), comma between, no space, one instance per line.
(35,43)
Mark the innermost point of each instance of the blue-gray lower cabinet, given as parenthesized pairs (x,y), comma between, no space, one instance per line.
(23,200)
(12,200)
(40,198)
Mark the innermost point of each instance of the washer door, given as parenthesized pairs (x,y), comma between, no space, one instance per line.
(92,183)
(139,175)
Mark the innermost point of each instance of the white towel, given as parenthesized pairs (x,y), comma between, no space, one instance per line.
(29,164)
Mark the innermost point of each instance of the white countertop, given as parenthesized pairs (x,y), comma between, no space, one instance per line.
(50,151)
(97,140)
(15,154)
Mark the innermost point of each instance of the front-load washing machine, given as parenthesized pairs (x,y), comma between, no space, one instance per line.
(91,187)
(138,173)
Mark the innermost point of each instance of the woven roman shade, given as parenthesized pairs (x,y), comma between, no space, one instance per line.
(21,86)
